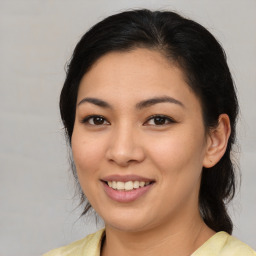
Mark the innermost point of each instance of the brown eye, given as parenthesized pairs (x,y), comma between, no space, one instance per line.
(98,120)
(159,120)
(95,120)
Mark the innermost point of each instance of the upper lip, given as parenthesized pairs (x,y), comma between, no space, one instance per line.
(125,178)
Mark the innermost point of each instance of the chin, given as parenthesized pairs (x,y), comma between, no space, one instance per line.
(127,227)
(128,222)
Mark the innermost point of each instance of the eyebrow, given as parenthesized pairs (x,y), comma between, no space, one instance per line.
(98,102)
(140,105)
(156,100)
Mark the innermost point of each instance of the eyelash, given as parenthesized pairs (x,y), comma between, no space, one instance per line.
(87,119)
(163,117)
(164,120)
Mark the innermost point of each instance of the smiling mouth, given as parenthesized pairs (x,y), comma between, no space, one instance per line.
(127,186)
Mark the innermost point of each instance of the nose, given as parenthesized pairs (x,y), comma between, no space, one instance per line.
(125,147)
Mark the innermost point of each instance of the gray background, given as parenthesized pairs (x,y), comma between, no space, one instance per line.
(37,209)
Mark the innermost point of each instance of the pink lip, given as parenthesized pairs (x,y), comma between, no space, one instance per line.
(126,196)
(125,178)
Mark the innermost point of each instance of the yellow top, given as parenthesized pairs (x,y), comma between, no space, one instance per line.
(221,244)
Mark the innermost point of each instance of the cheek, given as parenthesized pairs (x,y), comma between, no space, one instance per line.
(179,161)
(178,152)
(87,153)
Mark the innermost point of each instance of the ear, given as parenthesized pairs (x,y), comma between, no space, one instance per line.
(217,141)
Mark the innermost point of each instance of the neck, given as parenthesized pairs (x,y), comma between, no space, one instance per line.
(169,239)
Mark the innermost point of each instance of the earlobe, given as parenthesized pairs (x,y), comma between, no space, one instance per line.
(217,141)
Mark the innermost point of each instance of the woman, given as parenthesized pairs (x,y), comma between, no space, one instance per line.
(149,109)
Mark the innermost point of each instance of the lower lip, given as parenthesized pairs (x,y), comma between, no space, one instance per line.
(126,196)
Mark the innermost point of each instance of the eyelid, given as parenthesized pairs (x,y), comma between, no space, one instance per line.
(86,119)
(168,118)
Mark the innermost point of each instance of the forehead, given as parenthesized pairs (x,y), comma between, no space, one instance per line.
(134,74)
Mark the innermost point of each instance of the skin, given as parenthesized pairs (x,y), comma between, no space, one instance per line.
(128,141)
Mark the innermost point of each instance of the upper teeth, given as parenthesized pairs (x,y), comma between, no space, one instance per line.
(129,185)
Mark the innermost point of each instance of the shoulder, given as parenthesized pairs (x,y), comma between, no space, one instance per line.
(237,247)
(223,244)
(90,244)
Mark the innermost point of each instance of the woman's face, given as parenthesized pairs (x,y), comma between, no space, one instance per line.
(139,127)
